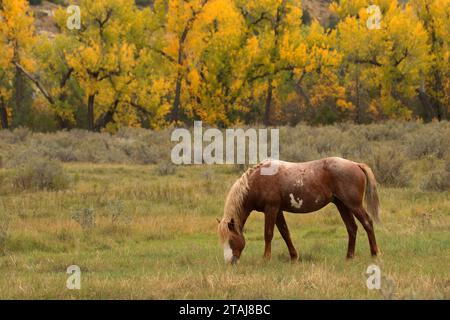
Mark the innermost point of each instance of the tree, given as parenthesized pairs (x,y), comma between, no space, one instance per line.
(6,75)
(17,37)
(271,23)
(434,89)
(103,57)
(203,53)
(176,18)
(384,65)
(217,56)
(292,61)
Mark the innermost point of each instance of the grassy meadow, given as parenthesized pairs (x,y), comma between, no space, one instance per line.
(148,230)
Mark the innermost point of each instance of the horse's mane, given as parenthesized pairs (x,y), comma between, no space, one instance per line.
(234,204)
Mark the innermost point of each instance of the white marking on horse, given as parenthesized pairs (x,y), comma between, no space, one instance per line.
(317,199)
(296,203)
(299,183)
(227,252)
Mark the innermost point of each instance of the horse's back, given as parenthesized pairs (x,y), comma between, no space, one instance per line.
(306,186)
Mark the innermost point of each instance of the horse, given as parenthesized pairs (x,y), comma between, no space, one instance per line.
(299,188)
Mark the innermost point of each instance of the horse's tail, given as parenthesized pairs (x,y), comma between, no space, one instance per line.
(371,194)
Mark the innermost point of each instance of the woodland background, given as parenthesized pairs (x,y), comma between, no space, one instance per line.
(114,204)
(226,62)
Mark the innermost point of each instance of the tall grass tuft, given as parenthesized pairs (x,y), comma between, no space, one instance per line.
(85,218)
(40,174)
(390,166)
(437,180)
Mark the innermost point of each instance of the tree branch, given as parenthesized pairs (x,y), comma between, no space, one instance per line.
(38,84)
(162,53)
(367,61)
(140,108)
(66,78)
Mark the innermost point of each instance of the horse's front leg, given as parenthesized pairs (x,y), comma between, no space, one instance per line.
(270,213)
(284,231)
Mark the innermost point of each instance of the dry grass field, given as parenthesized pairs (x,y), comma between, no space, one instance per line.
(148,231)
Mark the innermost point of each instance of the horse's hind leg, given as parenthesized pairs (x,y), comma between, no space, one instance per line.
(351,226)
(284,231)
(367,223)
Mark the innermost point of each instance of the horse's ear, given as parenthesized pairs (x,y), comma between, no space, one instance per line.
(231,225)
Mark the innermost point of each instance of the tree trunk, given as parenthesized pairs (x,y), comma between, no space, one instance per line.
(268,110)
(3,114)
(174,115)
(430,106)
(358,100)
(438,87)
(107,117)
(63,124)
(91,101)
(19,118)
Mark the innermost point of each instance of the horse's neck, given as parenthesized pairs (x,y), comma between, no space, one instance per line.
(244,213)
(238,205)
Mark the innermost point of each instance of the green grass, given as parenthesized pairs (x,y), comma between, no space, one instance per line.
(163,245)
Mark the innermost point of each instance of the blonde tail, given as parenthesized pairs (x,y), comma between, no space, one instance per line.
(371,194)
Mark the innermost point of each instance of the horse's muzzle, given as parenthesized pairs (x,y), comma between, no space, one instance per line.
(234,260)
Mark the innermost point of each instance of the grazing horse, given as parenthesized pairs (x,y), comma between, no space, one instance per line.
(299,188)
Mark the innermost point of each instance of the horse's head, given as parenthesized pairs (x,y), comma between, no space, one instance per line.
(233,242)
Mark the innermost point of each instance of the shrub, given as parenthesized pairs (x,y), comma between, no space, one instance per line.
(429,140)
(139,152)
(20,134)
(117,213)
(4,181)
(437,180)
(40,174)
(388,131)
(4,232)
(308,143)
(23,157)
(85,218)
(297,144)
(389,166)
(165,168)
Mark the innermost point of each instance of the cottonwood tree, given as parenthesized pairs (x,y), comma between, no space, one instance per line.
(434,89)
(204,53)
(16,39)
(271,23)
(103,57)
(6,76)
(383,67)
(54,80)
(218,56)
(292,60)
(176,18)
